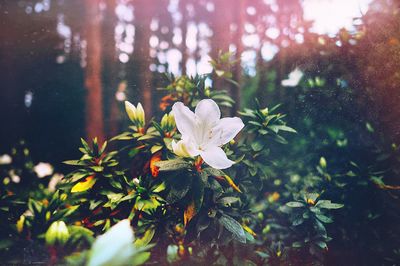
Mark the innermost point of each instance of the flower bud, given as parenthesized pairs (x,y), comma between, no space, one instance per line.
(180,149)
(57,233)
(322,162)
(136,181)
(131,111)
(136,114)
(207,92)
(171,120)
(140,114)
(48,215)
(265,111)
(63,196)
(20,223)
(168,122)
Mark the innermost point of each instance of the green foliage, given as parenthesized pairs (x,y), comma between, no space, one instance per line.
(308,216)
(181,208)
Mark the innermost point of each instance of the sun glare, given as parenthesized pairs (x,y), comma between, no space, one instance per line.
(329,16)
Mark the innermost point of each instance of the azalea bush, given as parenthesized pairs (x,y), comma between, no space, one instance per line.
(188,185)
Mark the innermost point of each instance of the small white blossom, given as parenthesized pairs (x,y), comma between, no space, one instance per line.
(43,169)
(136,181)
(5,159)
(28,213)
(55,179)
(204,132)
(14,177)
(293,79)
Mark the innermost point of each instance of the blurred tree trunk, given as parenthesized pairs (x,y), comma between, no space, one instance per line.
(182,7)
(240,18)
(221,38)
(11,97)
(144,11)
(110,69)
(93,71)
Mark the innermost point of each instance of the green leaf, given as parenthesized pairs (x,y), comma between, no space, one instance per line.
(327,204)
(257,146)
(321,244)
(140,258)
(145,240)
(295,204)
(85,145)
(155,148)
(178,187)
(173,165)
(324,219)
(287,129)
(159,188)
(97,168)
(78,176)
(74,162)
(234,227)
(297,244)
(84,185)
(298,221)
(227,200)
(123,136)
(213,172)
(198,193)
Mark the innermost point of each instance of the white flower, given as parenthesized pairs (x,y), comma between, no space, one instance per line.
(204,132)
(5,159)
(43,169)
(294,78)
(136,181)
(115,247)
(15,178)
(55,179)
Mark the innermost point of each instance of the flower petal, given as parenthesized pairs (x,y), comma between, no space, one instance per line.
(184,119)
(207,111)
(226,129)
(185,148)
(216,158)
(114,247)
